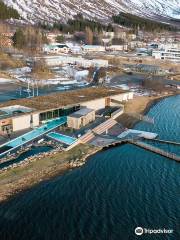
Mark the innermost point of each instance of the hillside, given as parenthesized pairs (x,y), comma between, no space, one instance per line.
(55,10)
(7,12)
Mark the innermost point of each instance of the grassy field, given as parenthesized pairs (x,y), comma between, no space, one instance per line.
(17,179)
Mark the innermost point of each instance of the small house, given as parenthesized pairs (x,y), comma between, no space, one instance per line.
(81,118)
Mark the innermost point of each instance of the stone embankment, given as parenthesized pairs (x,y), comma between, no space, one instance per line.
(36,157)
(78,162)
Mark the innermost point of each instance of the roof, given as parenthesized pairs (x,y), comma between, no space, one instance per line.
(82,112)
(14,110)
(93,46)
(55,45)
(61,99)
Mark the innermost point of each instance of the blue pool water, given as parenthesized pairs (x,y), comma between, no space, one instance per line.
(17,142)
(62,138)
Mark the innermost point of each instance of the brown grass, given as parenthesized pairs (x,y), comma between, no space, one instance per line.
(8,62)
(64,98)
(177,77)
(119,61)
(4,75)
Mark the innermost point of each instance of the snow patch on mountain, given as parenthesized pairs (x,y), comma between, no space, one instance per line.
(55,10)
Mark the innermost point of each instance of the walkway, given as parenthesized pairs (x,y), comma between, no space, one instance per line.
(155,150)
(165,141)
(27,137)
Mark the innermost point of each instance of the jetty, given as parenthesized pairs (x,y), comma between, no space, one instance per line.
(155,150)
(165,141)
(147,147)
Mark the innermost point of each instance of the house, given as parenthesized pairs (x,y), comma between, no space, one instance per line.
(17,117)
(81,118)
(93,48)
(135,44)
(74,60)
(56,48)
(117,48)
(75,48)
(51,36)
(132,36)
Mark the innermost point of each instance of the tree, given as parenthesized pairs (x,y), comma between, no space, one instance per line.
(80,37)
(136,22)
(89,36)
(34,39)
(19,39)
(99,75)
(7,12)
(29,39)
(78,16)
(60,39)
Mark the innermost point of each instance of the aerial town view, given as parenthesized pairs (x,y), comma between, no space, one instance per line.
(89,120)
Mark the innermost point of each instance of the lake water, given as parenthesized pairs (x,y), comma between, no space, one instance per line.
(113,193)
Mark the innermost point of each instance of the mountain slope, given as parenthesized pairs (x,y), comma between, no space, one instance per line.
(53,10)
(7,12)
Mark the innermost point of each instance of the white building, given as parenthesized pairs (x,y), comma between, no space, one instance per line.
(135,44)
(93,48)
(15,118)
(117,48)
(79,61)
(56,48)
(168,52)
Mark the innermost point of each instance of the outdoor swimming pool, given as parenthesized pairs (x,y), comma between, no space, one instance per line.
(37,132)
(62,138)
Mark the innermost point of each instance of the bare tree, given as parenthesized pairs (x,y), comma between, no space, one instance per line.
(89,36)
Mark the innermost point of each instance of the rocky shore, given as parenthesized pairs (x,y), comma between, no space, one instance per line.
(12,156)
(35,169)
(30,159)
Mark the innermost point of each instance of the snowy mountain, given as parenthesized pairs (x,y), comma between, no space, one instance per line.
(53,10)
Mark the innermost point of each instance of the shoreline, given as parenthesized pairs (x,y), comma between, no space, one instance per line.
(23,181)
(11,184)
(129,121)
